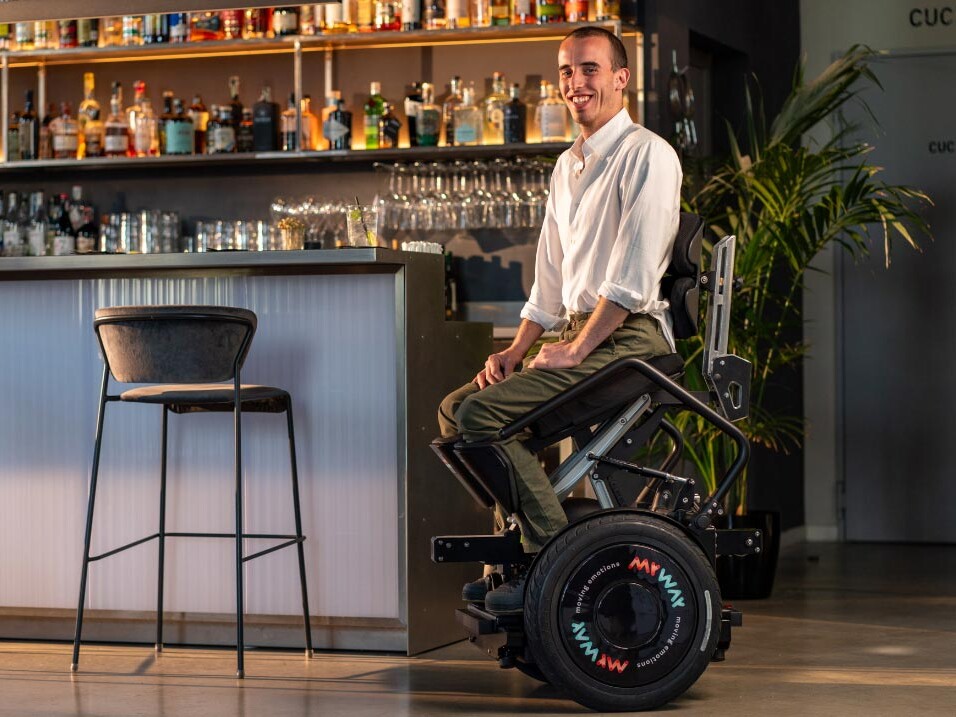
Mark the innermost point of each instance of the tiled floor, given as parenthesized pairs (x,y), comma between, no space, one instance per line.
(850,630)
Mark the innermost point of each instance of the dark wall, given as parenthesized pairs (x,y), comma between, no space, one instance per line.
(724,42)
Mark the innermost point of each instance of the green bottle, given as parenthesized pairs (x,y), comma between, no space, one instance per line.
(374,109)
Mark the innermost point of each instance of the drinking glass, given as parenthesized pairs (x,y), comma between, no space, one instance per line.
(362,224)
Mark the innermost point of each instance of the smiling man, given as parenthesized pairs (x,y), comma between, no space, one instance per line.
(611,219)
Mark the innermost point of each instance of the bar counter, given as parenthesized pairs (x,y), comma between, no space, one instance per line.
(357,336)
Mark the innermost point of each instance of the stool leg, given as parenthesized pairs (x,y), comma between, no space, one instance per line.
(240,671)
(162,535)
(89,520)
(298,532)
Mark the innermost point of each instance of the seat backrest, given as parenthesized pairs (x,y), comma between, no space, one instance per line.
(174,344)
(681,283)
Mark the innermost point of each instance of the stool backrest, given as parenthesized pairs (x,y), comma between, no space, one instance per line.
(681,283)
(174,344)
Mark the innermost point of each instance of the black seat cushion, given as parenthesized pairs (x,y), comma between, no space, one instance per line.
(193,397)
(619,388)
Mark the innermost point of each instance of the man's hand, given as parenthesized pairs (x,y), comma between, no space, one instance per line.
(497,368)
(560,354)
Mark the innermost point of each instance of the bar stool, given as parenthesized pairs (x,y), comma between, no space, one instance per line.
(188,350)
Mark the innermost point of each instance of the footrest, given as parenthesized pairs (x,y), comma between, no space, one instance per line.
(476,622)
(739,542)
(490,549)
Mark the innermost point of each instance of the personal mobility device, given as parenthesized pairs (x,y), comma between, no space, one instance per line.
(622,608)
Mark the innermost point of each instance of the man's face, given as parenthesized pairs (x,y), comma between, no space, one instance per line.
(590,88)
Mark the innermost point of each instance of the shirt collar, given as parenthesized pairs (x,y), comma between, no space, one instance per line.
(601,142)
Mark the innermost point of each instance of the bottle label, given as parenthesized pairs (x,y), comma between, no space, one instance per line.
(94,143)
(334,130)
(411,12)
(390,128)
(65,142)
(465,132)
(11,241)
(284,22)
(522,8)
(36,238)
(179,137)
(223,140)
(549,11)
(554,122)
(116,143)
(143,138)
(413,108)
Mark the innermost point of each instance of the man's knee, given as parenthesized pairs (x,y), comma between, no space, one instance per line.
(474,418)
(448,409)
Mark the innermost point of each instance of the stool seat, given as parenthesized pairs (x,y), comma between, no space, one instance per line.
(197,397)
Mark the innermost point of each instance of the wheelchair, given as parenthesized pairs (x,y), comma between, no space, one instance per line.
(622,608)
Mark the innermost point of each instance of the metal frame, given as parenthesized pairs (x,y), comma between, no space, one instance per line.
(297,539)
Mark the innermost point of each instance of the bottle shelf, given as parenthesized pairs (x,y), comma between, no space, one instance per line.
(263,160)
(308,43)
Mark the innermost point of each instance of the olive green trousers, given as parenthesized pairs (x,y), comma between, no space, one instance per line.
(478,415)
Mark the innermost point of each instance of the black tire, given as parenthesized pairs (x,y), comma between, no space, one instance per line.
(622,612)
(530,669)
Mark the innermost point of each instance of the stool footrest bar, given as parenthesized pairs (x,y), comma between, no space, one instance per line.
(274,548)
(120,549)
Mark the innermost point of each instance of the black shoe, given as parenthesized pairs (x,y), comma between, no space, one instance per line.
(507,599)
(476,590)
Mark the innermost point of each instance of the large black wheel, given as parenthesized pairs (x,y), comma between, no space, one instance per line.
(622,612)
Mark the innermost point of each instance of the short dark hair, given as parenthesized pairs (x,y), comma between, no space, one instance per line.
(618,53)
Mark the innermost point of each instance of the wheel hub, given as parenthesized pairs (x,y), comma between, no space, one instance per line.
(628,615)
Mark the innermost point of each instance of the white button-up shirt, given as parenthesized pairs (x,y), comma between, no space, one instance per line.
(609,228)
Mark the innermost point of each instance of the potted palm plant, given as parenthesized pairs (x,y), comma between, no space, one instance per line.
(786,199)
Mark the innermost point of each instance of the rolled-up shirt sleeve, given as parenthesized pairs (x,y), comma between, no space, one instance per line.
(545,306)
(650,212)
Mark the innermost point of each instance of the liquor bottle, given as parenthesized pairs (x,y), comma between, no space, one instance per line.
(93,133)
(80,219)
(88,107)
(155,28)
(6,36)
(37,227)
(205,26)
(67,34)
(245,141)
(549,11)
(29,134)
(480,13)
(374,109)
(333,20)
(23,36)
(457,14)
(132,30)
(553,118)
(13,229)
(231,24)
(515,117)
(257,22)
(116,141)
(365,15)
(88,32)
(331,102)
(576,10)
(178,27)
(65,133)
(165,118)
(500,13)
(285,21)
(434,14)
(45,141)
(179,134)
(388,128)
(349,14)
(306,20)
(493,110)
(200,117)
(311,132)
(338,127)
(388,15)
(142,123)
(536,122)
(607,9)
(111,31)
(522,12)
(467,119)
(220,134)
(290,134)
(411,15)
(13,138)
(42,35)
(413,107)
(428,127)
(452,100)
(235,106)
(265,122)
